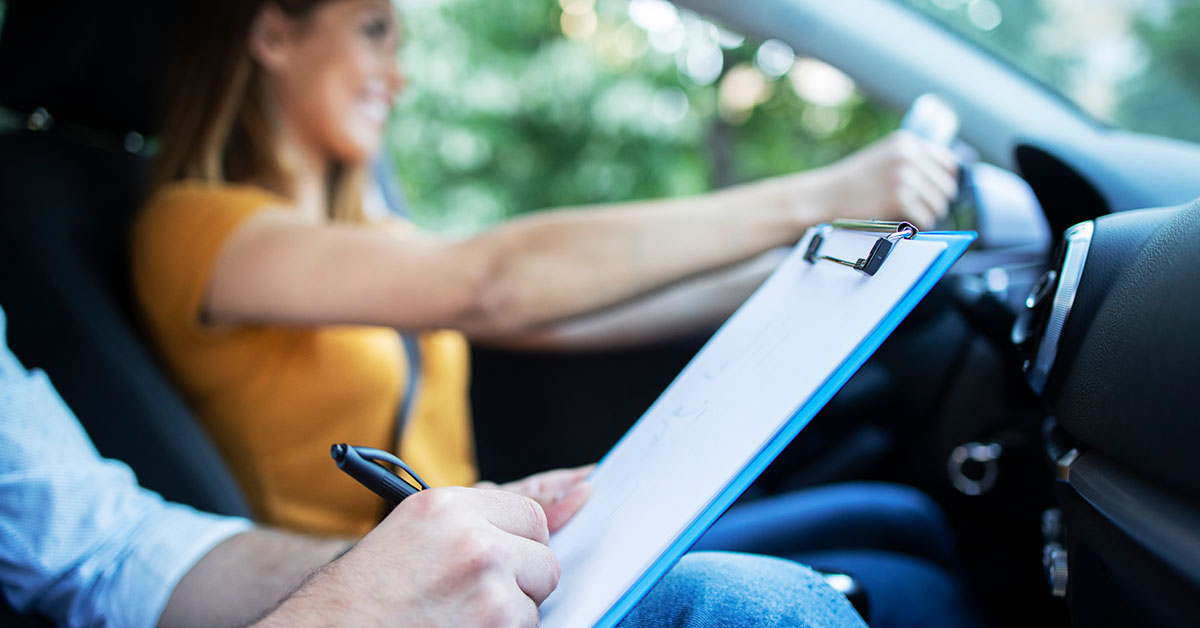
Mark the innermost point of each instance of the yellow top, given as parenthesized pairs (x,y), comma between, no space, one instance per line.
(273,397)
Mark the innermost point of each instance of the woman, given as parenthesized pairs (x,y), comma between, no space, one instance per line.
(275,300)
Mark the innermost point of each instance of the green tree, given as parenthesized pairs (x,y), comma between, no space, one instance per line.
(506,115)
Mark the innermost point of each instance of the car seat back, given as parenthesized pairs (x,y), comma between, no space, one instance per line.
(86,75)
(64,213)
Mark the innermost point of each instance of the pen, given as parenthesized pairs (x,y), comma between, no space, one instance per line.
(363,464)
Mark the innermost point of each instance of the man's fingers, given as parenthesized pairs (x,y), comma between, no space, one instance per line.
(497,601)
(553,485)
(581,473)
(548,487)
(536,569)
(515,514)
(559,512)
(526,614)
(530,617)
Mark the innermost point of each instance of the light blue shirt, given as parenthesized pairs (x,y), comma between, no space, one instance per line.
(80,541)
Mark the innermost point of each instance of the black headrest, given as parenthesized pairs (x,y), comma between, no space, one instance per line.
(1129,385)
(96,64)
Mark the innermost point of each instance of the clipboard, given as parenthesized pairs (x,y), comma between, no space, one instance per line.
(744,396)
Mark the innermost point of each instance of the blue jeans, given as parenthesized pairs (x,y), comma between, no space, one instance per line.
(902,591)
(893,539)
(853,515)
(723,590)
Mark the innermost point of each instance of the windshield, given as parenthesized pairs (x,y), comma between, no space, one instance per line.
(1129,63)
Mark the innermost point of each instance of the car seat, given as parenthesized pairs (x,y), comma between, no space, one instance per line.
(76,78)
(64,211)
(69,185)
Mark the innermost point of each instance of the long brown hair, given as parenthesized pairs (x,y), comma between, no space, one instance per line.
(216,126)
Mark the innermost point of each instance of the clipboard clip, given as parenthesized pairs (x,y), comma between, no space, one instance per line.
(896,231)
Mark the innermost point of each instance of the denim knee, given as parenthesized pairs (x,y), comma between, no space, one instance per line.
(859,515)
(718,589)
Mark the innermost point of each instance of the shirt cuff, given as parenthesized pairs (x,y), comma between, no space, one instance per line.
(164,554)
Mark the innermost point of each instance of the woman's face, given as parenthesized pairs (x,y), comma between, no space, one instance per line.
(335,74)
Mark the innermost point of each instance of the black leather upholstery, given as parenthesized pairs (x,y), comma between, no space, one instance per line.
(1130,390)
(64,214)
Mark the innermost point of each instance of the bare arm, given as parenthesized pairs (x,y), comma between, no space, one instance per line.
(891,179)
(555,265)
(244,577)
(681,310)
(528,272)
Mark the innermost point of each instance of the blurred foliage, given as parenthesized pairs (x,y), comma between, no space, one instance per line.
(504,114)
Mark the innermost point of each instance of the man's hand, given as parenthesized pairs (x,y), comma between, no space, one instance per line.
(561,493)
(900,177)
(443,557)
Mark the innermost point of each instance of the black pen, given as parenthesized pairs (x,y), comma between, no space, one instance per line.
(363,464)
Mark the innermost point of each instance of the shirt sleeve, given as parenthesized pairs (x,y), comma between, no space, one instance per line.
(80,541)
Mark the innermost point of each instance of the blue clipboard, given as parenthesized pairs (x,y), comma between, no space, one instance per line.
(956,243)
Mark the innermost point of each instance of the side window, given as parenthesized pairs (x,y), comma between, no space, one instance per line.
(517,106)
(1129,63)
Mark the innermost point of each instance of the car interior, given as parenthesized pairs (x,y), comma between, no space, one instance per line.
(1040,393)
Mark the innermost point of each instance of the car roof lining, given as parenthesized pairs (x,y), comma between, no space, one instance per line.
(95,64)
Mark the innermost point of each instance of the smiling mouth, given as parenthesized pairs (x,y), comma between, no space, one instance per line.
(374,110)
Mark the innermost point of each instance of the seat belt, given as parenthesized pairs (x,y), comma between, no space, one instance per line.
(404,409)
(393,198)
(412,351)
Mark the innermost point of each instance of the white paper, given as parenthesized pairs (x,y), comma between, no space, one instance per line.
(725,406)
